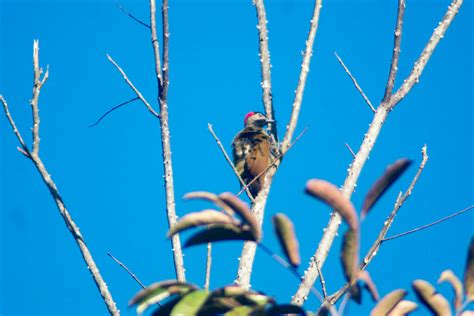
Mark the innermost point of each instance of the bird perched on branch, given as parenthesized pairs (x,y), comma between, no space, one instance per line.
(253,150)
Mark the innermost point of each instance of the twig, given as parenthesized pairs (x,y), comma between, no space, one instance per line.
(131,15)
(248,252)
(229,161)
(37,85)
(397,40)
(111,110)
(288,267)
(208,266)
(130,273)
(321,279)
(398,204)
(333,298)
(276,160)
(354,81)
(154,42)
(429,225)
(127,270)
(166,64)
(162,76)
(265,66)
(23,152)
(38,163)
(131,85)
(387,224)
(17,133)
(366,147)
(350,149)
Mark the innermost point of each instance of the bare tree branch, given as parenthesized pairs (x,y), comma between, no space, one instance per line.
(207,281)
(127,270)
(420,64)
(131,85)
(354,81)
(166,63)
(398,204)
(387,224)
(350,150)
(290,129)
(38,163)
(24,148)
(130,273)
(248,252)
(155,43)
(37,84)
(335,220)
(162,76)
(288,267)
(396,51)
(265,66)
(321,279)
(366,147)
(428,225)
(231,164)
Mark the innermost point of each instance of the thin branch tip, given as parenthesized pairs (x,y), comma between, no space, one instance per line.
(132,86)
(122,8)
(354,81)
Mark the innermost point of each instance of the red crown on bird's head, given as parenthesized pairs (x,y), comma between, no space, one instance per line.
(249,114)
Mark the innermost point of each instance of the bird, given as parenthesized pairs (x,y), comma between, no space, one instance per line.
(253,150)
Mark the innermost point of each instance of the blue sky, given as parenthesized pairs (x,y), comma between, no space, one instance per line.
(111,176)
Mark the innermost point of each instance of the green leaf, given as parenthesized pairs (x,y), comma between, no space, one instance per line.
(240,311)
(285,232)
(158,292)
(254,298)
(220,233)
(229,291)
(190,304)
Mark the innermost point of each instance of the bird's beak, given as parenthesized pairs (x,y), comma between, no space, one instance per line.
(270,121)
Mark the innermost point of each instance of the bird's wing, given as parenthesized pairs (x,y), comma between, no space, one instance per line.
(258,158)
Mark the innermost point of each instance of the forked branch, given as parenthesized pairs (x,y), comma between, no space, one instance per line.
(387,224)
(354,81)
(132,86)
(248,252)
(162,75)
(33,155)
(372,134)
(265,66)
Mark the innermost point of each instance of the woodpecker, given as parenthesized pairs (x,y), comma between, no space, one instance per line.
(253,150)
